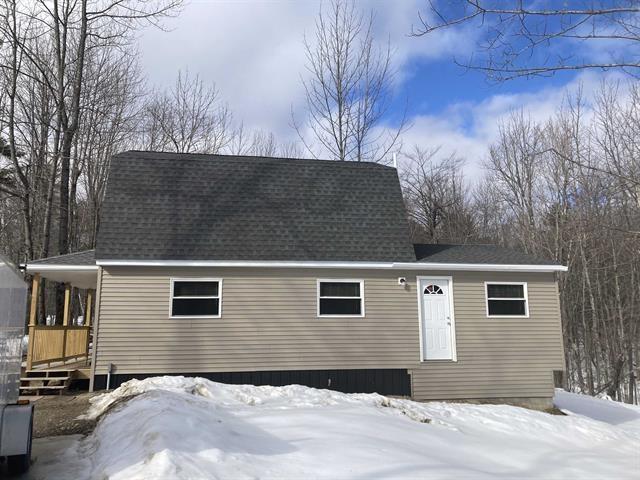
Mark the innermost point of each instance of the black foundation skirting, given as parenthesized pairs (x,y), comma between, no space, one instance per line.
(382,381)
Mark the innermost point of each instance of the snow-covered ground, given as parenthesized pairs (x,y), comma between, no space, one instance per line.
(189,428)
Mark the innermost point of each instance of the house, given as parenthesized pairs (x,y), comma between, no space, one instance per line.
(277,271)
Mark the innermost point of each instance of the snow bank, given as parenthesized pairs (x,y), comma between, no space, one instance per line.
(625,417)
(190,428)
(291,396)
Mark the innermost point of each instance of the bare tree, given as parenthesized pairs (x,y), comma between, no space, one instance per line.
(50,68)
(74,28)
(114,89)
(291,150)
(260,143)
(348,88)
(14,31)
(515,165)
(264,144)
(436,197)
(525,39)
(189,117)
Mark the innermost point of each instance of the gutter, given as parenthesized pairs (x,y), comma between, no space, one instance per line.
(483,267)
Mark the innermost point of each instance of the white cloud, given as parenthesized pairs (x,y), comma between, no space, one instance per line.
(467,129)
(253,51)
(395,20)
(254,61)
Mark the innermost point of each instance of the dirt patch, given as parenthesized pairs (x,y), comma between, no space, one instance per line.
(555,411)
(58,415)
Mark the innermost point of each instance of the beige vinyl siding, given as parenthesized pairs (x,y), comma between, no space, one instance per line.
(269,322)
(497,357)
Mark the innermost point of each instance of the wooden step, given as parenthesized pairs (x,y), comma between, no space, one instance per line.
(48,373)
(42,387)
(43,382)
(47,379)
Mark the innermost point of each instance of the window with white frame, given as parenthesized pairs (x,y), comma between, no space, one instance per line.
(342,298)
(195,297)
(507,299)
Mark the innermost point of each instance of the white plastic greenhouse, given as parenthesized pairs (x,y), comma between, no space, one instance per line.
(15,417)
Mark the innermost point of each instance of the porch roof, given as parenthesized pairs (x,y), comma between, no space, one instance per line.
(78,269)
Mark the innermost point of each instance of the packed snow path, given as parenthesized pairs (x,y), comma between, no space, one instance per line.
(190,428)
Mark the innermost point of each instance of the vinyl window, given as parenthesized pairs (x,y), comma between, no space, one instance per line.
(195,297)
(340,298)
(507,299)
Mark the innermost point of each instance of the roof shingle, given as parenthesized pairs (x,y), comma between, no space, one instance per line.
(86,257)
(482,254)
(166,206)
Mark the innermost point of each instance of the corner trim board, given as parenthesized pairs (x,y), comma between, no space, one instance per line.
(96,322)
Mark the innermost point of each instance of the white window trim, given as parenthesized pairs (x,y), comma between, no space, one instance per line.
(454,350)
(340,280)
(526,299)
(195,279)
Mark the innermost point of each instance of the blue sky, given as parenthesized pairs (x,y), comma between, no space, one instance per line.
(436,84)
(252,50)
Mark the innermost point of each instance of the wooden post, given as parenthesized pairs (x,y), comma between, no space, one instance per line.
(67,304)
(87,320)
(65,318)
(96,325)
(87,309)
(35,287)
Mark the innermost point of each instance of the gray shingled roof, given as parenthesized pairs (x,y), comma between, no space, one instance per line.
(166,206)
(88,257)
(488,254)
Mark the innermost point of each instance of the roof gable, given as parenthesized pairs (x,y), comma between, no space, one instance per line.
(164,206)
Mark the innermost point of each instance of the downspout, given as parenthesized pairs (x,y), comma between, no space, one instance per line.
(96,322)
(109,370)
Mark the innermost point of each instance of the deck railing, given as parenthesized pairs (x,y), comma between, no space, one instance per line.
(57,343)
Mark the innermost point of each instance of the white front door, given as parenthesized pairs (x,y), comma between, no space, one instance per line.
(437,324)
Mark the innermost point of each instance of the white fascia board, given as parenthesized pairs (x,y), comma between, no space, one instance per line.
(480,267)
(355,265)
(35,268)
(238,263)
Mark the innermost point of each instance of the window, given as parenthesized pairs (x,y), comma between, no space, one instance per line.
(507,299)
(342,298)
(195,297)
(433,290)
